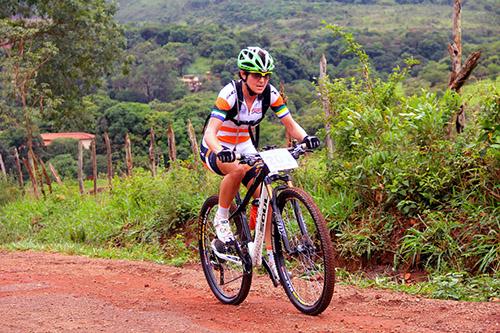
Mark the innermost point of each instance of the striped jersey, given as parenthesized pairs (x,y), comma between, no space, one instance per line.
(230,132)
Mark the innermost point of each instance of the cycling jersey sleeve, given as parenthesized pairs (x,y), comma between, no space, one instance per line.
(224,103)
(278,104)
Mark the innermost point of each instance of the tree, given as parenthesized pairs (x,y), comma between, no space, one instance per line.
(63,146)
(152,75)
(25,54)
(182,53)
(193,107)
(89,42)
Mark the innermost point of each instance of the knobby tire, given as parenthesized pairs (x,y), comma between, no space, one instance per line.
(307,273)
(229,282)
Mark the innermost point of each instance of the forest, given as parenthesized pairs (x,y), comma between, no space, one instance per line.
(403,187)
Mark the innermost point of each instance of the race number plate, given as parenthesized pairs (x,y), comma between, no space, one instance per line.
(278,159)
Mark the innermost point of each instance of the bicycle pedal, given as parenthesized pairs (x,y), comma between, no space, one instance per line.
(219,245)
(224,248)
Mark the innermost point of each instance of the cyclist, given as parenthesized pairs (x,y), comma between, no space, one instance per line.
(239,107)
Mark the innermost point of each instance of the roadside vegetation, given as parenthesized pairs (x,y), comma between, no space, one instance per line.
(399,195)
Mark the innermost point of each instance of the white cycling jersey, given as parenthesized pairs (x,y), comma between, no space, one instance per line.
(229,131)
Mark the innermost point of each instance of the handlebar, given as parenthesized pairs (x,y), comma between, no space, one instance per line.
(251,159)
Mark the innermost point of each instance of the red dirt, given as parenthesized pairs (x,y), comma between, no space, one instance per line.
(46,292)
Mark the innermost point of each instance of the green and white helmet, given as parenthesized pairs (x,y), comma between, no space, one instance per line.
(255,59)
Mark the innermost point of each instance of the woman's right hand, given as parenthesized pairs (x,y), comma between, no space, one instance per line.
(226,156)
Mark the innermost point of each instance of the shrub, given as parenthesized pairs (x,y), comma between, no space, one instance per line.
(66,165)
(395,154)
(62,147)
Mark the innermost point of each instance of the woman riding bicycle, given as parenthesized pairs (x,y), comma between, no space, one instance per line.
(239,107)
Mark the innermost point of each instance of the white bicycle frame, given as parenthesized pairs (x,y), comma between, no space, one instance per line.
(277,160)
(255,247)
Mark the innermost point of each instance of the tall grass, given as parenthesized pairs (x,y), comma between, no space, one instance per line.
(139,210)
(9,190)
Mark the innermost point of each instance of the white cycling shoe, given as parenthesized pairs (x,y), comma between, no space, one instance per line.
(223,230)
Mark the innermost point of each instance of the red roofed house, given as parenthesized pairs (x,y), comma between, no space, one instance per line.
(84,138)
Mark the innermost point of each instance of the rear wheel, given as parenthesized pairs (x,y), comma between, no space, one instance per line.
(228,280)
(306,269)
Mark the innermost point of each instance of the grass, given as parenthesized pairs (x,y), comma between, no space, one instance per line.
(139,252)
(138,219)
(458,286)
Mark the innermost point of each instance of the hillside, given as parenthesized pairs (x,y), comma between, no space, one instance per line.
(390,30)
(378,15)
(303,16)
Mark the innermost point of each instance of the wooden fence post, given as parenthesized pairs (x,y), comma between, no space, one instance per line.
(459,74)
(128,155)
(326,105)
(108,158)
(46,175)
(55,174)
(172,151)
(32,177)
(94,164)
(80,167)
(18,167)
(32,172)
(161,158)
(2,167)
(152,156)
(192,139)
(455,47)
(38,173)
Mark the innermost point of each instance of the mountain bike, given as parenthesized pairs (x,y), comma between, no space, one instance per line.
(302,252)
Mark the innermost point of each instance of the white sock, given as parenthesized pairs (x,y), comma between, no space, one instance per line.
(222,213)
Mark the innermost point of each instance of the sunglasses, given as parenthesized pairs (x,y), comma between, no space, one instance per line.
(258,75)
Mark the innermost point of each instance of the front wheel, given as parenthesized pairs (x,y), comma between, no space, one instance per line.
(229,281)
(305,266)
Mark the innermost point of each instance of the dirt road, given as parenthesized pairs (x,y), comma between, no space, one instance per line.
(42,292)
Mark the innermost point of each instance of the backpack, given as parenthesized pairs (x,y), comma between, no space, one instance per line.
(232,114)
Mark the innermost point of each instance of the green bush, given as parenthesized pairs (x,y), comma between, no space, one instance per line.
(66,166)
(101,163)
(63,146)
(418,190)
